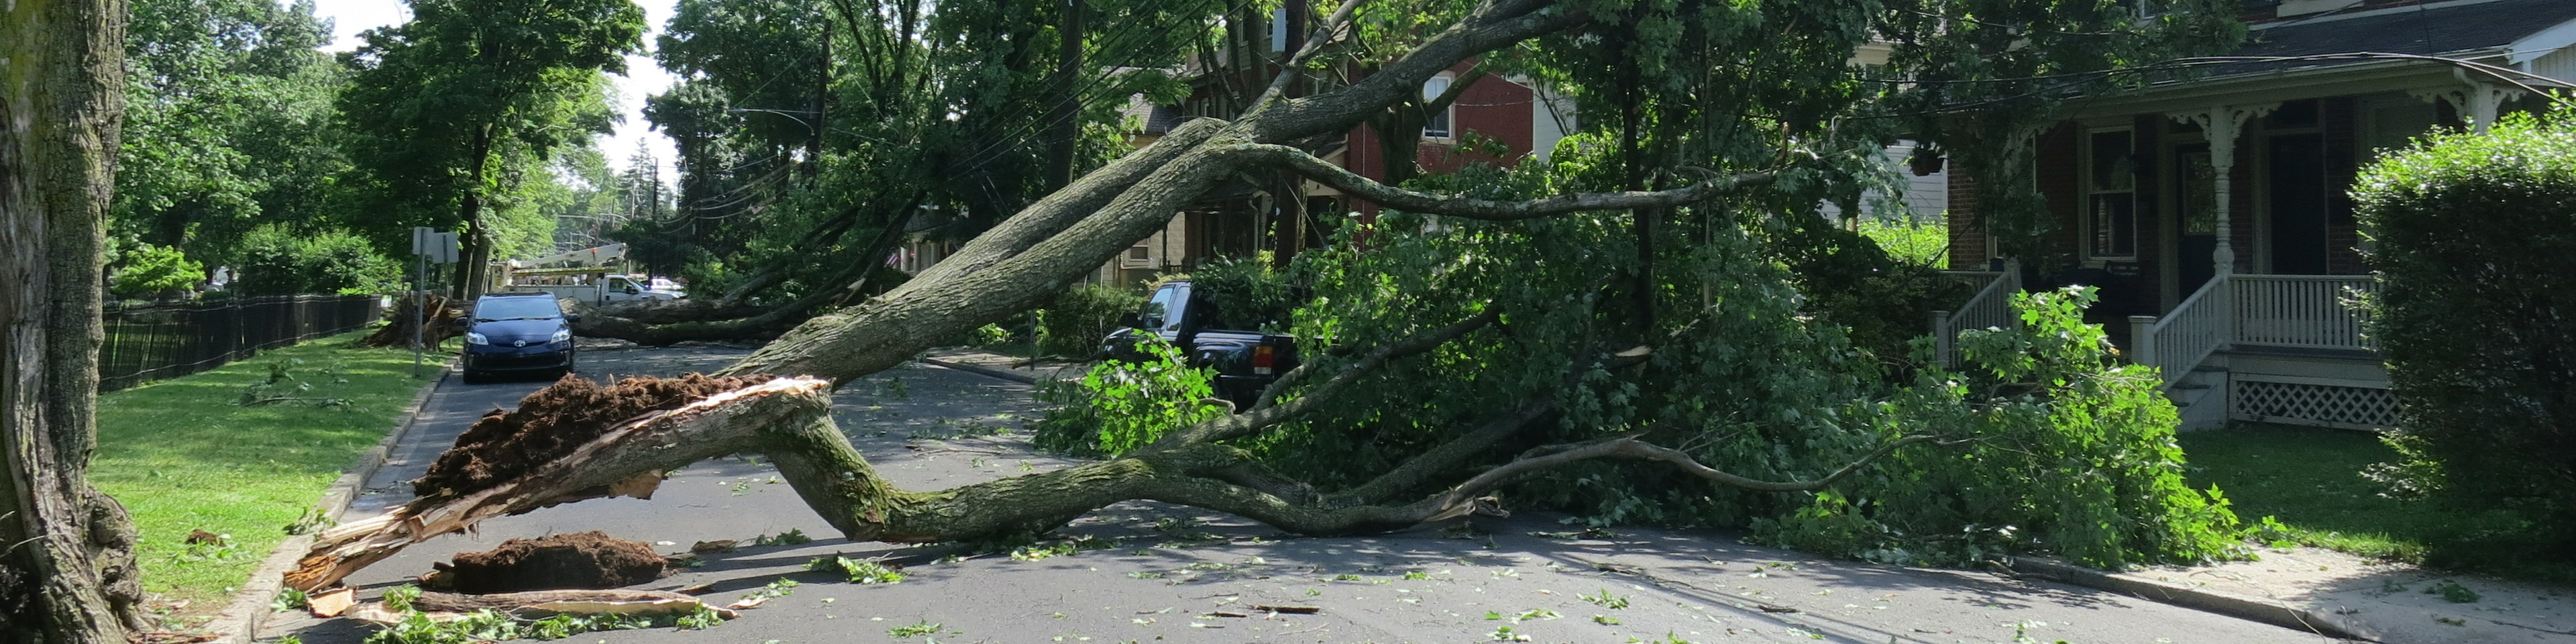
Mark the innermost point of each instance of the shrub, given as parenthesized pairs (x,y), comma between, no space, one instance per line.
(149,271)
(1076,322)
(278,261)
(1250,295)
(1919,243)
(1859,281)
(2472,238)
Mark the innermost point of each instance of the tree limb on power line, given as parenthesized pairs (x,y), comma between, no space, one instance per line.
(1321,171)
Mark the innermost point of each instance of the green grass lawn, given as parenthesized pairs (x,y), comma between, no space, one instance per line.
(183,455)
(2310,480)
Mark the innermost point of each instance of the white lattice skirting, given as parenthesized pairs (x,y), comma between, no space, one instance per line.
(2319,405)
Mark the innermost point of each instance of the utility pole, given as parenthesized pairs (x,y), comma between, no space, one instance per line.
(1067,123)
(822,99)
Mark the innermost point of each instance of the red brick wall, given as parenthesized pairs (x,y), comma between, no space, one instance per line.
(2059,182)
(1967,239)
(2341,118)
(2151,222)
(2241,200)
(1491,107)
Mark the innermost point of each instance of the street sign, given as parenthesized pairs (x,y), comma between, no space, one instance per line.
(433,246)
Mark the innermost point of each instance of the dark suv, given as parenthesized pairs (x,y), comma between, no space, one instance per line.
(519,333)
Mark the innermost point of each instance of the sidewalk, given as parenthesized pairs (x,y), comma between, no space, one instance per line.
(2350,596)
(1004,367)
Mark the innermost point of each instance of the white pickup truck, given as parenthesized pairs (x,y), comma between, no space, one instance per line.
(598,288)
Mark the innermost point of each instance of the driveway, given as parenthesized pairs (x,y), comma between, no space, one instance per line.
(1160,573)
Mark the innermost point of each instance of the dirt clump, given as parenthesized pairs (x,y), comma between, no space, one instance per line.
(553,422)
(581,560)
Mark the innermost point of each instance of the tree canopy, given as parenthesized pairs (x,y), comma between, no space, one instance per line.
(457,109)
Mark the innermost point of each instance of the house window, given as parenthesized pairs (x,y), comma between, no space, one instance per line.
(1437,127)
(2111,205)
(1140,253)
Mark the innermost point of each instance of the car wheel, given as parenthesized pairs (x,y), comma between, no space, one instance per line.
(468,376)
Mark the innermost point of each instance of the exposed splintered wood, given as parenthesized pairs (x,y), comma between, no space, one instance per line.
(659,442)
(553,422)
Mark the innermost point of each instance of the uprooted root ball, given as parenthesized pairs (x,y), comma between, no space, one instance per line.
(581,560)
(552,423)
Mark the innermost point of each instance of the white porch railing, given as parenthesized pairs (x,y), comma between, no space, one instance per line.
(1991,307)
(2301,311)
(2307,311)
(2185,336)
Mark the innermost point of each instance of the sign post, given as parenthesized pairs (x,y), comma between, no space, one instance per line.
(430,247)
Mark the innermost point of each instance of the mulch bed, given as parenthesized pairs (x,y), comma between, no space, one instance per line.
(553,422)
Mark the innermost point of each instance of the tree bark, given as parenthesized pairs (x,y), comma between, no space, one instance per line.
(475,258)
(66,550)
(790,421)
(1049,245)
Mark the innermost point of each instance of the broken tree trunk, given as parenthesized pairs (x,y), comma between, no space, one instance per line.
(789,420)
(443,314)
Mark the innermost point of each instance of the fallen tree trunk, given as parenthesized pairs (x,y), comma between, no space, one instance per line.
(443,314)
(789,420)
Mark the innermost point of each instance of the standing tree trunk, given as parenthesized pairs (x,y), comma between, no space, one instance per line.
(476,257)
(1064,127)
(66,550)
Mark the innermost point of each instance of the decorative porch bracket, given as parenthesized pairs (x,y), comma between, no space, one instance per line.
(2477,102)
(2220,124)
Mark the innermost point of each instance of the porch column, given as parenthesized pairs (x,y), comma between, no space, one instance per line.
(2220,125)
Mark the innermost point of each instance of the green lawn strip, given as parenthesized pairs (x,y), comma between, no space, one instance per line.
(183,455)
(2310,480)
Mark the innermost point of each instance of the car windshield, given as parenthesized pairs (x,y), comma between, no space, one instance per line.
(517,308)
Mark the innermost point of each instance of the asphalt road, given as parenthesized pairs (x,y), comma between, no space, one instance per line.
(1162,573)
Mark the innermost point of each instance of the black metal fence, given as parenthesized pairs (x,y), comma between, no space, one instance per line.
(147,343)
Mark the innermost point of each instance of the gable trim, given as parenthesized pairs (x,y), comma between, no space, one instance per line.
(2546,42)
(2338,17)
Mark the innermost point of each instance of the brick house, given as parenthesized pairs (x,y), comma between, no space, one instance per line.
(2213,213)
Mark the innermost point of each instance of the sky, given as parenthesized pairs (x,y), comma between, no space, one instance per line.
(643,77)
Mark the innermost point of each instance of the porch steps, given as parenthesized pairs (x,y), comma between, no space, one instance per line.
(2200,397)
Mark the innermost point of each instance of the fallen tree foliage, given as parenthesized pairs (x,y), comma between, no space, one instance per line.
(1531,333)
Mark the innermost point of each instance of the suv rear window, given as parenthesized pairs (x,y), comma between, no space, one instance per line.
(517,308)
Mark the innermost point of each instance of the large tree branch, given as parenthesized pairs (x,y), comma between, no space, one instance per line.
(1629,447)
(1324,34)
(790,421)
(1265,414)
(1493,25)
(1418,343)
(1355,185)
(1449,455)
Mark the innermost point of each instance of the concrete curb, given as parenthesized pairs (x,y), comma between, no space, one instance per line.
(240,621)
(2200,599)
(1005,374)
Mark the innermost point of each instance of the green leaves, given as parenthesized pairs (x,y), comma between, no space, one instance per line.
(461,103)
(1120,406)
(2470,234)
